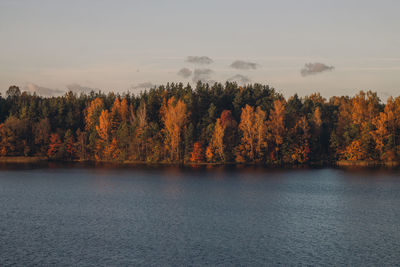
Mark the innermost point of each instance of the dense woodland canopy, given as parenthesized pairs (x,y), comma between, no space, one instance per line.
(214,124)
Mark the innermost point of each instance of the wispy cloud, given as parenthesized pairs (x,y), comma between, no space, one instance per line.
(244,65)
(203,60)
(185,73)
(76,88)
(240,79)
(202,75)
(315,68)
(43,91)
(145,85)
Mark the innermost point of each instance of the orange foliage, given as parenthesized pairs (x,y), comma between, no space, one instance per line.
(141,140)
(124,110)
(209,154)
(104,127)
(215,150)
(276,125)
(253,127)
(54,146)
(227,119)
(354,151)
(92,112)
(70,147)
(317,117)
(119,113)
(198,153)
(3,140)
(301,153)
(104,132)
(174,117)
(112,152)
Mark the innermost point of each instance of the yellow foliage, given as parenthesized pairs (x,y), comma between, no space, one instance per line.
(174,116)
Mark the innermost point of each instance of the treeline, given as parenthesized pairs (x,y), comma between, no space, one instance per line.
(216,124)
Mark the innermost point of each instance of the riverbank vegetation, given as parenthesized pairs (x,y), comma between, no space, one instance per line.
(206,124)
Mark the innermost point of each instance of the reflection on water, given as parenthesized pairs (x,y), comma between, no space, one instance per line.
(80,214)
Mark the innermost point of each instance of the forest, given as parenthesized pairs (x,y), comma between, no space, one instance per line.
(219,123)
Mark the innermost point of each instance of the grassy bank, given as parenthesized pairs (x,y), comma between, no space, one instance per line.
(22,159)
(340,163)
(366,163)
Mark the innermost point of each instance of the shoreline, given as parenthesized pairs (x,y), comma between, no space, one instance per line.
(340,163)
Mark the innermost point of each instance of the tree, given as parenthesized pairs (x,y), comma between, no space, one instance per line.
(354,151)
(70,145)
(230,134)
(41,132)
(140,140)
(215,150)
(13,91)
(15,137)
(112,151)
(176,123)
(301,148)
(81,144)
(54,147)
(174,117)
(276,128)
(385,131)
(93,112)
(197,153)
(104,133)
(253,142)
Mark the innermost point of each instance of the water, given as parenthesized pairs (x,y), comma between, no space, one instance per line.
(223,216)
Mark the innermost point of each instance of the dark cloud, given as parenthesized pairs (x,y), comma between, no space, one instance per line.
(185,73)
(202,75)
(204,60)
(244,65)
(240,79)
(76,88)
(43,91)
(144,85)
(315,68)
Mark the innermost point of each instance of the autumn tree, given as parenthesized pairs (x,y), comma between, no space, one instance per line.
(93,112)
(197,153)
(41,132)
(174,117)
(254,134)
(216,148)
(276,128)
(112,151)
(69,145)
(104,134)
(169,122)
(229,125)
(140,142)
(80,145)
(54,151)
(301,148)
(384,133)
(14,135)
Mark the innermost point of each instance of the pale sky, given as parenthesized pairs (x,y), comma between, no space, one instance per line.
(117,45)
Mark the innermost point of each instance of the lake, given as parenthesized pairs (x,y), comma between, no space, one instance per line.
(169,216)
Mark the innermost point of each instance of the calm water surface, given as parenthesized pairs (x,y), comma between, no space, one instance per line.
(223,216)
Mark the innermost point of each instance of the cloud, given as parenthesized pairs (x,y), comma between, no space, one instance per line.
(315,68)
(240,79)
(202,75)
(144,85)
(185,73)
(43,91)
(76,88)
(244,65)
(204,60)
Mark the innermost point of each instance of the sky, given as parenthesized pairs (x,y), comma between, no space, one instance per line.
(50,46)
